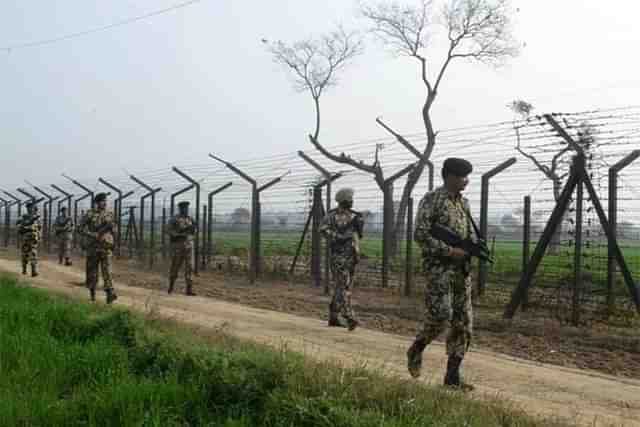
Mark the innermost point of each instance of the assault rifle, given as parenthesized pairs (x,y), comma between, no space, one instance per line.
(24,225)
(32,220)
(66,222)
(477,249)
(358,225)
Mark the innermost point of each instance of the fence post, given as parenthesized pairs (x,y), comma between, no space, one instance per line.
(484,215)
(163,232)
(577,280)
(408,281)
(254,256)
(387,220)
(210,219)
(316,211)
(5,229)
(205,225)
(151,193)
(526,243)
(328,179)
(613,223)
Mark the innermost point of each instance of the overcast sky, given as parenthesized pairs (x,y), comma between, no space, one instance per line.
(172,88)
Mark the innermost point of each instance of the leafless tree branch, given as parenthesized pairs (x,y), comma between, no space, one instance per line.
(316,63)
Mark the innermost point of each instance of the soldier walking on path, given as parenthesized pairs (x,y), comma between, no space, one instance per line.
(447,273)
(342,228)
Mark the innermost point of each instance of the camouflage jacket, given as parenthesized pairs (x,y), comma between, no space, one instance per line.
(30,227)
(342,228)
(92,222)
(181,229)
(440,206)
(63,227)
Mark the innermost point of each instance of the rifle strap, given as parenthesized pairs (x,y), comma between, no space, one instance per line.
(473,223)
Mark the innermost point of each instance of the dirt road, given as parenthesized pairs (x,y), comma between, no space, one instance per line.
(586,397)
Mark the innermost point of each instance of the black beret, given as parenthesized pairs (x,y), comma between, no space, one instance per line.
(100,197)
(455,166)
(185,204)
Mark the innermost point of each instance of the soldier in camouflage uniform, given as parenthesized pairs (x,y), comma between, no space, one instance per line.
(98,227)
(342,228)
(181,229)
(63,229)
(30,229)
(447,271)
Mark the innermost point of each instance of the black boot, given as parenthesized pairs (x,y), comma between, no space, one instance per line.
(414,357)
(60,260)
(352,324)
(335,321)
(68,262)
(189,291)
(172,283)
(453,378)
(34,270)
(92,295)
(111,296)
(24,269)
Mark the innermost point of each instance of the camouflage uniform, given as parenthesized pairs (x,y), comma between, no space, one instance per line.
(341,228)
(30,229)
(63,229)
(448,282)
(181,229)
(99,248)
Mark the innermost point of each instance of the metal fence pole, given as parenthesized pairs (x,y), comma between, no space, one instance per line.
(526,243)
(577,261)
(484,215)
(613,223)
(210,197)
(316,211)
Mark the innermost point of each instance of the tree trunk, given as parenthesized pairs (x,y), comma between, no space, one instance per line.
(414,176)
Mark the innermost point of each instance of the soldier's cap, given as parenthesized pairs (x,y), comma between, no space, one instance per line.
(31,204)
(344,194)
(63,209)
(184,204)
(100,197)
(456,166)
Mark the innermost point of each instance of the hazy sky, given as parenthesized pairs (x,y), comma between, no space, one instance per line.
(172,88)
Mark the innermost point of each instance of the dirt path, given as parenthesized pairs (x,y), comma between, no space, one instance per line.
(586,397)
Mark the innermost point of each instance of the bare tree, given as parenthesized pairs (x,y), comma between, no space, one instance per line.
(476,30)
(316,63)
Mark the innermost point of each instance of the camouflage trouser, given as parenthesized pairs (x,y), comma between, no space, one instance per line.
(343,268)
(448,300)
(64,248)
(29,252)
(181,255)
(99,261)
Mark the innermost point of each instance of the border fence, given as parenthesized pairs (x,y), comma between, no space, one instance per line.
(261,217)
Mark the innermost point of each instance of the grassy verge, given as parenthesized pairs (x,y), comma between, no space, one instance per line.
(72,364)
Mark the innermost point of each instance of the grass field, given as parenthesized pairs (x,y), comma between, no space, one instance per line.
(72,364)
(507,254)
